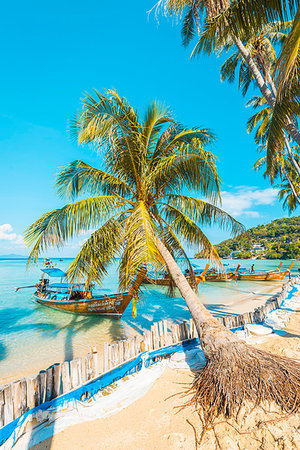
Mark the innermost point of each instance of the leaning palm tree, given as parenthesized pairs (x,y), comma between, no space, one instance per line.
(285,160)
(219,21)
(142,213)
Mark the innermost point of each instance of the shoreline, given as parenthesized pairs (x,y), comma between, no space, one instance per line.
(258,297)
(152,421)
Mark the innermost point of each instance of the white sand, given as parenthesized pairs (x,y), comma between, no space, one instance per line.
(152,422)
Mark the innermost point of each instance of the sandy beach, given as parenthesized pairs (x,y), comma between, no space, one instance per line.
(154,422)
(244,300)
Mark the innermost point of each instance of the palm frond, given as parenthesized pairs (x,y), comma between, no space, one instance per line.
(205,214)
(188,230)
(97,253)
(80,178)
(57,227)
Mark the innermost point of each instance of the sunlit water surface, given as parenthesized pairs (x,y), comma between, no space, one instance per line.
(32,336)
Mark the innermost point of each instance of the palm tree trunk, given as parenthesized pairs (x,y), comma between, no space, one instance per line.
(291,155)
(235,372)
(211,333)
(290,126)
(287,144)
(291,186)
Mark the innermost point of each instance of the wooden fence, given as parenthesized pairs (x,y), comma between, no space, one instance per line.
(24,394)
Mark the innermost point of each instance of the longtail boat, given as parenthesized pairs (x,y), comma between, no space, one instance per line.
(161,278)
(78,298)
(271,275)
(215,275)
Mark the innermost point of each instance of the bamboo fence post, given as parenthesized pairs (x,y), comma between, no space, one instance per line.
(166,334)
(2,407)
(131,348)
(8,404)
(42,381)
(178,329)
(56,380)
(65,377)
(126,350)
(136,345)
(156,335)
(152,337)
(23,395)
(19,397)
(142,345)
(76,372)
(161,333)
(186,330)
(95,366)
(113,354)
(105,357)
(88,367)
(49,383)
(109,357)
(149,340)
(33,391)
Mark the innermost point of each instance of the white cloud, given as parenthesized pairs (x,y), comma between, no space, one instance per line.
(7,234)
(241,201)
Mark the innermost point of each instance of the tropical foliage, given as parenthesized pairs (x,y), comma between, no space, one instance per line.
(266,52)
(279,239)
(140,195)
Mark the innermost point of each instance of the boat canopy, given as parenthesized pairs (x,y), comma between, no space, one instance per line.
(65,285)
(54,272)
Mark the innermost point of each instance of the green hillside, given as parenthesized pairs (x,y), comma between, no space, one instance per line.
(279,239)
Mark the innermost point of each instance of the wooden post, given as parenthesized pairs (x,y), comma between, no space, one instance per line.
(179,332)
(42,381)
(56,380)
(186,330)
(166,334)
(116,354)
(156,336)
(49,383)
(95,367)
(65,377)
(16,396)
(23,395)
(109,357)
(33,391)
(161,334)
(131,348)
(105,357)
(8,404)
(88,367)
(2,407)
(76,372)
(126,350)
(142,346)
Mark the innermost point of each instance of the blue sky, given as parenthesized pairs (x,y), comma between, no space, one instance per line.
(53,52)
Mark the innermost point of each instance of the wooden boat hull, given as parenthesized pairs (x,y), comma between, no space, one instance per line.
(110,305)
(157,281)
(271,276)
(220,277)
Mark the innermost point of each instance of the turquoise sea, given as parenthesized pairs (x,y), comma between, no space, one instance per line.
(33,336)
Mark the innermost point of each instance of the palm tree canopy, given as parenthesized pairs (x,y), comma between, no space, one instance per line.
(149,166)
(260,47)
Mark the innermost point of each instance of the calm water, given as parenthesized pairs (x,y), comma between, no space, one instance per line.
(32,336)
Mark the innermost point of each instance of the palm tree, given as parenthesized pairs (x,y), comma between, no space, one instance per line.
(224,21)
(260,47)
(289,189)
(142,213)
(285,161)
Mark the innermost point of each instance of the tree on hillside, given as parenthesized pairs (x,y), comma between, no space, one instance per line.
(141,214)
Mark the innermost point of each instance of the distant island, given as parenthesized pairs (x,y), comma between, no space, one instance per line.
(13,256)
(279,239)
